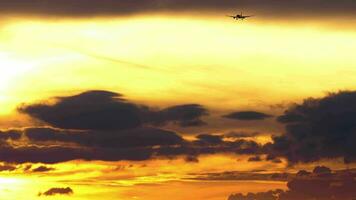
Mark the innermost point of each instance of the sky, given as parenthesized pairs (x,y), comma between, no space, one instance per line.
(156,99)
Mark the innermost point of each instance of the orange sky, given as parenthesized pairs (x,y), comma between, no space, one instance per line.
(163,60)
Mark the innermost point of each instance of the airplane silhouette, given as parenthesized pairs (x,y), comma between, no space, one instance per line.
(240,16)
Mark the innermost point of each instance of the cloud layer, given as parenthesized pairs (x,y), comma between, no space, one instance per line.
(104,110)
(319,128)
(49,145)
(75,8)
(103,125)
(313,186)
(57,191)
(247,115)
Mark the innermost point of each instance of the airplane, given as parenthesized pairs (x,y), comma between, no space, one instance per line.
(240,16)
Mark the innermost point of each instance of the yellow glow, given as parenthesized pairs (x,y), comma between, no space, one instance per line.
(165,60)
(10,181)
(11,68)
(147,180)
(246,64)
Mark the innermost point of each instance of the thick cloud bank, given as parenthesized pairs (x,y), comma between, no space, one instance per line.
(104,110)
(57,191)
(247,115)
(49,145)
(319,128)
(85,8)
(311,186)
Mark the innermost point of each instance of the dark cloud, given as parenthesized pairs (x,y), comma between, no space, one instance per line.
(244,176)
(10,134)
(184,115)
(142,137)
(211,144)
(104,110)
(7,168)
(247,115)
(97,110)
(272,158)
(270,195)
(82,8)
(43,169)
(27,168)
(255,159)
(192,159)
(57,154)
(340,185)
(320,170)
(319,128)
(242,134)
(49,145)
(303,173)
(57,191)
(210,139)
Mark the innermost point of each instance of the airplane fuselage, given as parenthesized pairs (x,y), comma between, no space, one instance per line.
(238,16)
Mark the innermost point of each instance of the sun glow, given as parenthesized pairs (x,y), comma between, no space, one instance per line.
(12,68)
(8,181)
(124,51)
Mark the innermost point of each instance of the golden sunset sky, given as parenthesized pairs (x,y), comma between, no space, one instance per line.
(163,58)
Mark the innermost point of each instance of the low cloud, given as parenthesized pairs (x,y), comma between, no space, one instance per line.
(247,115)
(242,134)
(7,167)
(84,8)
(311,186)
(209,139)
(319,128)
(10,134)
(141,137)
(57,191)
(42,169)
(105,110)
(49,145)
(244,176)
(255,159)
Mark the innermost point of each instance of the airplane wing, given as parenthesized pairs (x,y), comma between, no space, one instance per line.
(249,16)
(230,16)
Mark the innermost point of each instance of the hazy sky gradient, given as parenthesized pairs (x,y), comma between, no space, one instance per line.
(162,54)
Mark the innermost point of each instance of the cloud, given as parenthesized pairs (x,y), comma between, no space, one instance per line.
(105,110)
(210,144)
(10,135)
(141,137)
(210,139)
(244,176)
(50,145)
(191,159)
(321,170)
(57,191)
(42,169)
(184,115)
(97,110)
(57,154)
(319,128)
(339,185)
(84,8)
(255,159)
(47,145)
(270,195)
(234,134)
(247,115)
(7,168)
